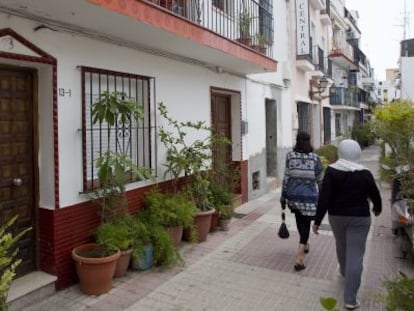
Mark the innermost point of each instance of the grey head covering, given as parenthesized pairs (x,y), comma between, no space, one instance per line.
(349,153)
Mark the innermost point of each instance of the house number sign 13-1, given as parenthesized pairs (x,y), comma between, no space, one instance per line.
(65,92)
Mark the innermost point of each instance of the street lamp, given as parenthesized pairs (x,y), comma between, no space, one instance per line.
(321,85)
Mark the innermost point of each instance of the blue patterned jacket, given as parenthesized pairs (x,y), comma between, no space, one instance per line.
(303,174)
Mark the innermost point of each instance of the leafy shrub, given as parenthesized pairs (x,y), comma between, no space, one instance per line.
(394,124)
(328,152)
(363,134)
(400,293)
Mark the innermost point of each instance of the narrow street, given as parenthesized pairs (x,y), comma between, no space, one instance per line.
(250,268)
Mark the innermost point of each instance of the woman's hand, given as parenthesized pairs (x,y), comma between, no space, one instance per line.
(315,229)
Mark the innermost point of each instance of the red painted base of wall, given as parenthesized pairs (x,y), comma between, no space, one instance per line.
(62,229)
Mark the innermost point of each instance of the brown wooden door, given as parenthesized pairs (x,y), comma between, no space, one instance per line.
(221,123)
(17,159)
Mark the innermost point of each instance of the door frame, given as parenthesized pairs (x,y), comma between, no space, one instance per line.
(35,150)
(236,135)
(42,58)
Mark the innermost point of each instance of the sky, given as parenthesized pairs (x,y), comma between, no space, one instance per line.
(381,25)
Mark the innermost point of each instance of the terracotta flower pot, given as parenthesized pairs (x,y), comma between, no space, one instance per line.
(122,263)
(214,222)
(176,234)
(95,273)
(202,222)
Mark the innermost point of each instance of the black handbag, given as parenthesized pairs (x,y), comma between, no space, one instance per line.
(283,232)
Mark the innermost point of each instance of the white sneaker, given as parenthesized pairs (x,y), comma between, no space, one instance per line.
(338,271)
(353,306)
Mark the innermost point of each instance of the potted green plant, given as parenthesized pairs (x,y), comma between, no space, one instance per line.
(189,159)
(142,247)
(173,212)
(245,20)
(115,169)
(260,43)
(224,182)
(95,262)
(117,235)
(160,213)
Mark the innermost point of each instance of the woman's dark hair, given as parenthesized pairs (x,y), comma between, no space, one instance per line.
(303,144)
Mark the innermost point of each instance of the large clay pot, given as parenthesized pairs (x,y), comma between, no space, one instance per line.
(202,222)
(122,263)
(95,273)
(214,222)
(176,234)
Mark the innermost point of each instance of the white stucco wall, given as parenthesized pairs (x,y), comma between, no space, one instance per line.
(184,88)
(407,77)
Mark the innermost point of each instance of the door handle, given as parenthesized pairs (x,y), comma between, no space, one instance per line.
(17,182)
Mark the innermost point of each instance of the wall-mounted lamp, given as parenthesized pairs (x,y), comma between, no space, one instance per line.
(321,86)
(286,82)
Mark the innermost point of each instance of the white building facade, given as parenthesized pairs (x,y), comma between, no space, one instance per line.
(56,57)
(406,82)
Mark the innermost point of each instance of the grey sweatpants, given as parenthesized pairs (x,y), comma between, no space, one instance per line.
(350,237)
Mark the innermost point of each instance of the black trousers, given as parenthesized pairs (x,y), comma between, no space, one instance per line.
(303,223)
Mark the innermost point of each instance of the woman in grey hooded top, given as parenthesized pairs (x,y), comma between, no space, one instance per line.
(346,188)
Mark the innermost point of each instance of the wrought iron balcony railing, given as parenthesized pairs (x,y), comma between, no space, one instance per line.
(318,58)
(245,21)
(341,96)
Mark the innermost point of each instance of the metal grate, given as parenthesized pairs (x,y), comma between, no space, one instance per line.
(304,117)
(136,140)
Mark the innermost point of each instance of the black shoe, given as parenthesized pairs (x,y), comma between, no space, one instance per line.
(299,267)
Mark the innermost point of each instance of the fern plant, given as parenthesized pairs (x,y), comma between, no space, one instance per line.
(8,260)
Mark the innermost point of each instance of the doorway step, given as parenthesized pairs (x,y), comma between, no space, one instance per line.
(30,289)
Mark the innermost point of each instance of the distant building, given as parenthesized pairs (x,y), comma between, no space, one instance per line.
(387,90)
(406,81)
(392,74)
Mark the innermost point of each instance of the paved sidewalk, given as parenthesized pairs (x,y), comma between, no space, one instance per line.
(250,268)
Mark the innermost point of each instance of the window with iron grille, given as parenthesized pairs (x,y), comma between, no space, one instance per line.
(338,125)
(326,125)
(304,117)
(137,140)
(266,19)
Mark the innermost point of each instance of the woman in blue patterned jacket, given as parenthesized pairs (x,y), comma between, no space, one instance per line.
(303,174)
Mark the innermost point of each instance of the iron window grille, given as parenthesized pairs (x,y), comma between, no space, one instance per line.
(304,117)
(327,125)
(137,140)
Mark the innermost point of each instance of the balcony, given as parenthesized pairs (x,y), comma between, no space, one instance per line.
(342,54)
(304,63)
(318,4)
(318,59)
(325,14)
(207,33)
(368,82)
(344,97)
